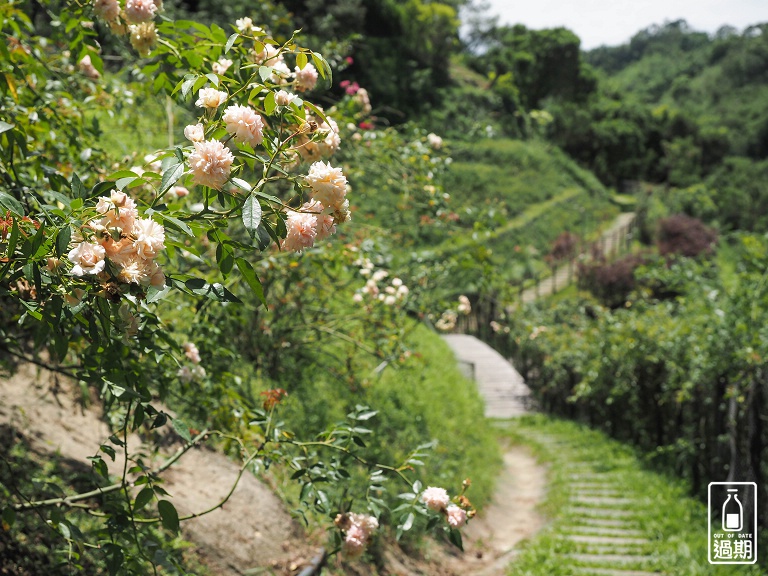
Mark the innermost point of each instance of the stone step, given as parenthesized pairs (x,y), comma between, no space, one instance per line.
(597,491)
(599,512)
(610,558)
(603,549)
(589,571)
(604,500)
(606,522)
(605,531)
(607,540)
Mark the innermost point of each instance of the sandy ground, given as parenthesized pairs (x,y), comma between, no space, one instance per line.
(253,529)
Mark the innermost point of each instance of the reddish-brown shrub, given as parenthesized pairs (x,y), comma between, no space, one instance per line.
(564,246)
(611,283)
(686,236)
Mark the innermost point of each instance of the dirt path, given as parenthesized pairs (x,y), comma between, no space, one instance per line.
(252,530)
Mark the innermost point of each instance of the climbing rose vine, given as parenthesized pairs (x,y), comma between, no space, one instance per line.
(88,252)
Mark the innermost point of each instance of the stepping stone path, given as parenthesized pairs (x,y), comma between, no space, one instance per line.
(599,531)
(600,527)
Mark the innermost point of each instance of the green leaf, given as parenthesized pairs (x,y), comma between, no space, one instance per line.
(177,224)
(249,275)
(454,536)
(168,516)
(225,258)
(270,104)
(195,283)
(242,184)
(186,86)
(143,498)
(101,187)
(251,215)
(265,72)
(301,60)
(62,240)
(182,429)
(61,345)
(78,190)
(408,524)
(123,183)
(109,451)
(157,294)
(115,558)
(10,203)
(172,173)
(4,126)
(9,517)
(230,42)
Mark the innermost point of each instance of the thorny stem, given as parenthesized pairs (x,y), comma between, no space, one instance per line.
(70,500)
(216,506)
(386,468)
(127,493)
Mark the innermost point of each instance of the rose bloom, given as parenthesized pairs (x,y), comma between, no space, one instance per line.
(325,224)
(210,98)
(435,498)
(176,192)
(118,211)
(221,66)
(364,101)
(194,132)
(245,124)
(191,352)
(354,542)
(135,269)
(267,55)
(302,231)
(244,24)
(434,141)
(87,68)
(280,73)
(148,238)
(87,258)
(143,37)
(210,164)
(332,142)
(138,11)
(109,10)
(329,185)
(283,98)
(456,516)
(306,78)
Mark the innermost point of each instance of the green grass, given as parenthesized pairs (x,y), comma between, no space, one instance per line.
(675,524)
(514,198)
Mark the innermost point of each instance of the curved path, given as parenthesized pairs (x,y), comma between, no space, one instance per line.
(602,530)
(501,386)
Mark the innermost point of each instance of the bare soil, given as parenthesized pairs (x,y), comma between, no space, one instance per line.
(253,529)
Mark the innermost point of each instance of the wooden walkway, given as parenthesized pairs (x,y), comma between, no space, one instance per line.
(611,242)
(501,386)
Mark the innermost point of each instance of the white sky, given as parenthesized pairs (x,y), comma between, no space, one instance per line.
(614,22)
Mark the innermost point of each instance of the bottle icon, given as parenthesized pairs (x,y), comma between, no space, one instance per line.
(733,512)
